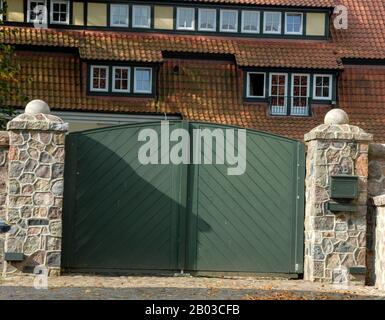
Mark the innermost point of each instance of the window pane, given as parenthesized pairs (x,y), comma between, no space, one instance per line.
(278,94)
(229,20)
(322,87)
(272,22)
(99,78)
(141,16)
(121,79)
(250,21)
(256,85)
(207,19)
(185,19)
(143,80)
(38,14)
(60,11)
(119,15)
(293,23)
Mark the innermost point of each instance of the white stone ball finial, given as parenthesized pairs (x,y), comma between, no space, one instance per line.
(37,106)
(336,116)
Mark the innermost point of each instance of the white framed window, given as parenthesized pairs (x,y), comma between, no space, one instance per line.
(119,15)
(99,78)
(185,18)
(60,12)
(250,21)
(300,90)
(207,19)
(256,85)
(121,79)
(272,22)
(36,12)
(278,93)
(143,80)
(293,23)
(141,16)
(323,86)
(229,21)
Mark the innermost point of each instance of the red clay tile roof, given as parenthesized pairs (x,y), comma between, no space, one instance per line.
(39,37)
(212,91)
(149,48)
(365,36)
(118,46)
(362,95)
(202,90)
(291,3)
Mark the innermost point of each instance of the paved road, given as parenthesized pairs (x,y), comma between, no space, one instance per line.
(88,287)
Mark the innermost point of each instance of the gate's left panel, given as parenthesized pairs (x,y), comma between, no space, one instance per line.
(119,215)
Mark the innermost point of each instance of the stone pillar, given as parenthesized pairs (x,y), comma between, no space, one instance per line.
(4,143)
(335,242)
(35,197)
(379,202)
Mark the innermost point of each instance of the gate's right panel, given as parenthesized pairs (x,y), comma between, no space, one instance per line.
(251,222)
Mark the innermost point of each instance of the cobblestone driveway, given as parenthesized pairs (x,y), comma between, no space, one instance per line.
(97,287)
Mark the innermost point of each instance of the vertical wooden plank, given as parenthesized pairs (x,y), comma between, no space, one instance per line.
(300,209)
(182,181)
(192,207)
(69,203)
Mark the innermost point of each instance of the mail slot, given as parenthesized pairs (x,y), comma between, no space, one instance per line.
(344,187)
(13,256)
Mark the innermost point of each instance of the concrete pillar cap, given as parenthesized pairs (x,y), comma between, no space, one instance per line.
(336,116)
(37,106)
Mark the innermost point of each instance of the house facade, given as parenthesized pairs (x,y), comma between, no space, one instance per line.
(271,65)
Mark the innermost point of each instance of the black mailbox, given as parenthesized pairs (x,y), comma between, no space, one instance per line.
(344,187)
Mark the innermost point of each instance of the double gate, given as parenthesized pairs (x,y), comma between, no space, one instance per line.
(123,216)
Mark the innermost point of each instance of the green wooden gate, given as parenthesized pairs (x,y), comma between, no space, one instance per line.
(122,216)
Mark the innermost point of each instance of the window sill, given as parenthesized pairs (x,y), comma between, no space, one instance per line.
(119,94)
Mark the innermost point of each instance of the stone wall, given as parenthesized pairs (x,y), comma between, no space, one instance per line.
(335,242)
(35,197)
(379,260)
(4,142)
(376,187)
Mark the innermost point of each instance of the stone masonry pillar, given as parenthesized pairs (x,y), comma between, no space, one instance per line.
(379,202)
(4,144)
(335,242)
(35,190)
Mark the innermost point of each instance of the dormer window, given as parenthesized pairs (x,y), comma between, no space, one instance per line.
(323,86)
(250,21)
(60,12)
(121,79)
(293,23)
(125,80)
(141,16)
(229,21)
(37,11)
(99,78)
(119,15)
(207,19)
(185,18)
(143,80)
(272,22)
